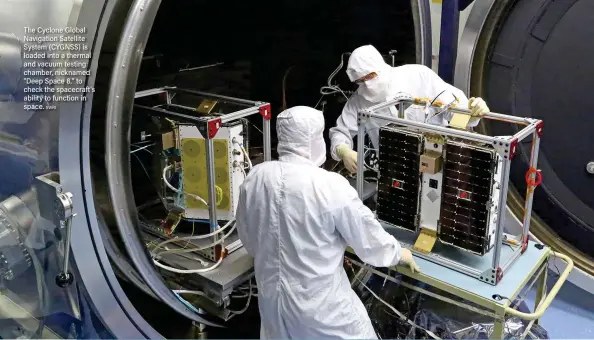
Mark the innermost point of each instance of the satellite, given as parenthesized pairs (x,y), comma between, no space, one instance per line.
(448,185)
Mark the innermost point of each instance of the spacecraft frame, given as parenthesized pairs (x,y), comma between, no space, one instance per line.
(237,266)
(505,147)
(209,127)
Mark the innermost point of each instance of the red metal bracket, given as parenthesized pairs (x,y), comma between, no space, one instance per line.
(499,275)
(213,127)
(265,111)
(512,148)
(539,127)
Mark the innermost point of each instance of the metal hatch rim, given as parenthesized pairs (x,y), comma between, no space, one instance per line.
(98,279)
(120,101)
(472,52)
(421,13)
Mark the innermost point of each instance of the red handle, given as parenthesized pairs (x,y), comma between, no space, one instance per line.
(537,180)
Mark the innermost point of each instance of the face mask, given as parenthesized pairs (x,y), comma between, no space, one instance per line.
(375,90)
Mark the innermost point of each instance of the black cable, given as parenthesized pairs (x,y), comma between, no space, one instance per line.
(246,133)
(434,99)
(498,297)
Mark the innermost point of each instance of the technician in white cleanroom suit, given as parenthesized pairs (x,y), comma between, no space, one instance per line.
(379,82)
(296,220)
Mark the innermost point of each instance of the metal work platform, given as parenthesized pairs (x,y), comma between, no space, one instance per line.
(236,269)
(217,284)
(463,257)
(196,264)
(520,271)
(478,296)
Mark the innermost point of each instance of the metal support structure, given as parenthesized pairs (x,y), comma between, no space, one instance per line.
(517,252)
(500,219)
(173,89)
(149,92)
(266,113)
(459,267)
(212,125)
(505,146)
(521,135)
(448,40)
(541,290)
(487,301)
(169,97)
(360,155)
(56,206)
(534,176)
(401,110)
(65,278)
(209,127)
(210,177)
(199,331)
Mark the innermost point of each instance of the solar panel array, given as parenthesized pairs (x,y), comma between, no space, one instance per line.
(466,193)
(468,174)
(399,183)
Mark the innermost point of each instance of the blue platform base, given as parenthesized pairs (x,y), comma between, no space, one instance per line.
(510,285)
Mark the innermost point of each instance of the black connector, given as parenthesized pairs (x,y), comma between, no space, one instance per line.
(64,280)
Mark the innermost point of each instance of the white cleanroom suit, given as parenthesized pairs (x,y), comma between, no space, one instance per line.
(296,219)
(390,83)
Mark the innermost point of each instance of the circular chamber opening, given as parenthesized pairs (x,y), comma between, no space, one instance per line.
(276,52)
(529,61)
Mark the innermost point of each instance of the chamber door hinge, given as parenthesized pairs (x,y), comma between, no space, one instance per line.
(57,206)
(64,209)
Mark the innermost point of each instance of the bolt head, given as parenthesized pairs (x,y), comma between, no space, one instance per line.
(590,168)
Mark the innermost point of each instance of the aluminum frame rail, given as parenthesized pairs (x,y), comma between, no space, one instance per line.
(209,126)
(505,146)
